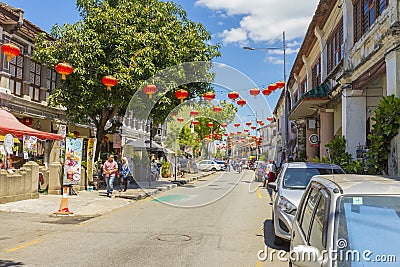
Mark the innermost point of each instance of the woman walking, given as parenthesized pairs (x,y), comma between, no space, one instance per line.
(124,173)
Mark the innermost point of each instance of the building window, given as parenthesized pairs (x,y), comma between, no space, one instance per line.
(365,13)
(51,80)
(34,81)
(335,47)
(15,68)
(316,73)
(303,88)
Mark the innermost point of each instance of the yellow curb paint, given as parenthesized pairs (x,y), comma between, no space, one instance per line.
(259,194)
(23,246)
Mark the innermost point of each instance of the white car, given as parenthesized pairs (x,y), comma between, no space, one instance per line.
(208,165)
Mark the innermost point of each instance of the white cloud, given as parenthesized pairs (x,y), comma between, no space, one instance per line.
(264,20)
(234,35)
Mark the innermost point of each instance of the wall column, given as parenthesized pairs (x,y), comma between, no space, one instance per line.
(393,73)
(354,117)
(327,134)
(311,151)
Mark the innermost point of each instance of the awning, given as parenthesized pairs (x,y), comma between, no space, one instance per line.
(309,102)
(10,124)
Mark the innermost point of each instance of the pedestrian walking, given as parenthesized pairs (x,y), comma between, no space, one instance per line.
(110,168)
(271,176)
(124,172)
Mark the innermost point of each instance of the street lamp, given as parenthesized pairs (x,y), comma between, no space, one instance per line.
(286,111)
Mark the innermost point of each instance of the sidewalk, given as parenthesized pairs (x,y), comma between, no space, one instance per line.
(95,203)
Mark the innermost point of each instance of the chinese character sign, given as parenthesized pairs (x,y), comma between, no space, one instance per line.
(73,160)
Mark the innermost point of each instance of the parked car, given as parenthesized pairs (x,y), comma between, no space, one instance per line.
(208,165)
(348,215)
(222,164)
(260,171)
(289,186)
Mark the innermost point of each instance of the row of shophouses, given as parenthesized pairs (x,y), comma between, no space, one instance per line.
(349,60)
(25,86)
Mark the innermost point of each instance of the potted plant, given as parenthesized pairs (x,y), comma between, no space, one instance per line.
(165,169)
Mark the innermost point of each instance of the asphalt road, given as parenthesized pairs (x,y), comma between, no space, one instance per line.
(223,220)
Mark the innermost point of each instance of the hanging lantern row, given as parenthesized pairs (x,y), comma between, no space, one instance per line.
(64,69)
(150,90)
(181,94)
(10,50)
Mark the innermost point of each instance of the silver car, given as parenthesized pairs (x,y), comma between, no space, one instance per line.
(347,220)
(289,187)
(208,165)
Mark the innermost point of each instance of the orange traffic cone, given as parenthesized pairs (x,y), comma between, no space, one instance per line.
(64,204)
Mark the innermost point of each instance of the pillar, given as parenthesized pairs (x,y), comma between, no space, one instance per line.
(393,73)
(311,151)
(326,132)
(55,178)
(354,117)
(322,46)
(348,32)
(34,169)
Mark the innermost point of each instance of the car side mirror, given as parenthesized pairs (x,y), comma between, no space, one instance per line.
(272,185)
(306,256)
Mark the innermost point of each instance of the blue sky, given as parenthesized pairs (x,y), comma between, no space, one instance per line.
(232,23)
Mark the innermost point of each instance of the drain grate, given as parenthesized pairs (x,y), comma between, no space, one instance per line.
(174,238)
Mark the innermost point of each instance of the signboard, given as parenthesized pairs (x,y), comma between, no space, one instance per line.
(73,160)
(116,140)
(314,140)
(8,143)
(29,144)
(91,150)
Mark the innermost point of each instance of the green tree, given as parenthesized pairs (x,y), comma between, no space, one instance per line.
(129,39)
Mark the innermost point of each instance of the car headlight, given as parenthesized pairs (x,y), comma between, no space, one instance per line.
(287,206)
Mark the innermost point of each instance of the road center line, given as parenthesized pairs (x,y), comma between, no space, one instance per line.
(259,193)
(23,246)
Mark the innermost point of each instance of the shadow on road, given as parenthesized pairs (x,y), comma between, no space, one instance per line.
(6,263)
(269,237)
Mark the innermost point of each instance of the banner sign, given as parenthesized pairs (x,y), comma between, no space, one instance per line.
(73,161)
(116,140)
(91,150)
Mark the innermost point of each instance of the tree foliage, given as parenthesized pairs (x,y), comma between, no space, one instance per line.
(129,39)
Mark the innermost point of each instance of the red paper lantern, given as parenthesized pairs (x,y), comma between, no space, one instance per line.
(232,134)
(181,94)
(224,125)
(209,96)
(270,119)
(109,81)
(180,119)
(280,84)
(262,123)
(241,102)
(236,125)
(196,122)
(10,50)
(272,87)
(259,121)
(239,132)
(210,124)
(248,123)
(246,130)
(217,109)
(266,91)
(254,92)
(173,114)
(233,95)
(226,134)
(64,69)
(253,127)
(194,113)
(150,90)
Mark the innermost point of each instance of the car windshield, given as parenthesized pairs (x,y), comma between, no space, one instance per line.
(298,178)
(367,223)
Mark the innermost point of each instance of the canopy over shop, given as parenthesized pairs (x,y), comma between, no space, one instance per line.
(9,124)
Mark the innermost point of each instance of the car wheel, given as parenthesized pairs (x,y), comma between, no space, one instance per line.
(214,169)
